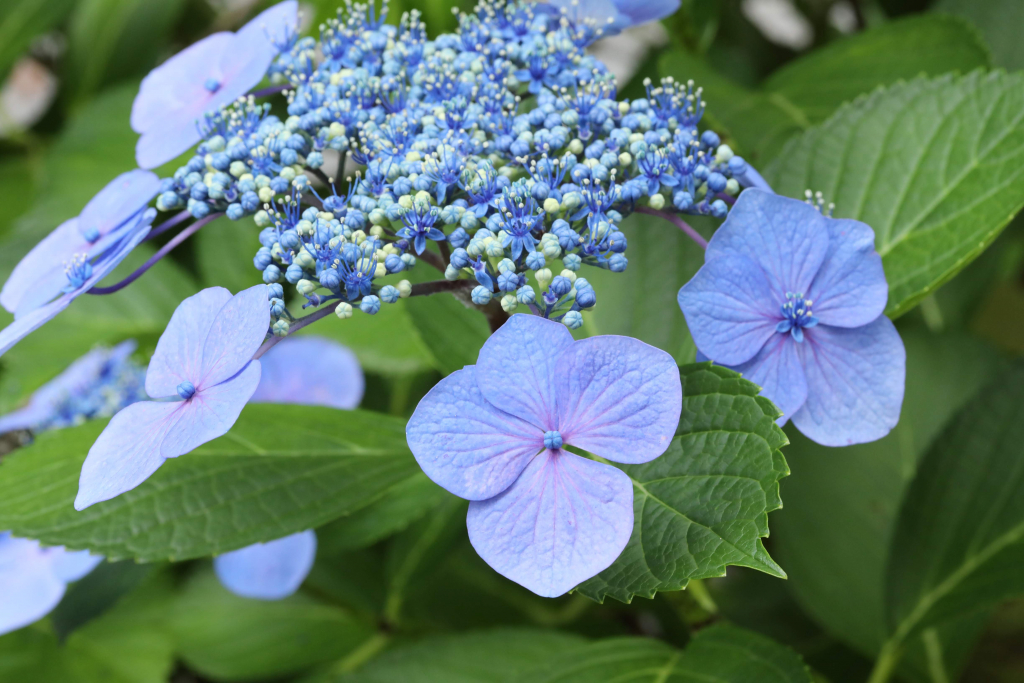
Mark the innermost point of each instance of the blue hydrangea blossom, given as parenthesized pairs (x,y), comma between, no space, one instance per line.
(616,15)
(310,371)
(204,373)
(96,385)
(495,433)
(33,579)
(268,571)
(794,300)
(203,78)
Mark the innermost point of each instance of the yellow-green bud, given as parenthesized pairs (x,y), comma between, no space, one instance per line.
(551,205)
(380,270)
(544,277)
(262,219)
(358,237)
(723,154)
(508,302)
(576,146)
(625,159)
(732,187)
(266,195)
(569,275)
(404,288)
(377,231)
(657,202)
(343,310)
(238,169)
(288,173)
(405,201)
(305,286)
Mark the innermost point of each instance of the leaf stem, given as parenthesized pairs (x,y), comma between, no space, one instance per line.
(362,654)
(272,90)
(886,663)
(678,222)
(163,251)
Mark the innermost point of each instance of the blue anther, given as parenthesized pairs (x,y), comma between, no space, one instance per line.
(212,85)
(797,316)
(186,390)
(553,440)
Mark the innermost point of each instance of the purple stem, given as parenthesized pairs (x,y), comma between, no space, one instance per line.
(727,198)
(272,90)
(679,223)
(163,251)
(167,225)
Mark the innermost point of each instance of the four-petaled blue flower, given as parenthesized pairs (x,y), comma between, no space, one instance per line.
(494,433)
(78,254)
(795,301)
(311,371)
(33,579)
(203,78)
(207,347)
(268,571)
(615,15)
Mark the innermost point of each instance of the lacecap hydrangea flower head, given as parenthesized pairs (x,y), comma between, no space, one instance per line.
(496,433)
(794,300)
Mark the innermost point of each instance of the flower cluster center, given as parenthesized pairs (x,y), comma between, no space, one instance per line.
(186,390)
(553,440)
(796,316)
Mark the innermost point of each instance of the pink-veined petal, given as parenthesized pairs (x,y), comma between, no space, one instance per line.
(179,352)
(237,332)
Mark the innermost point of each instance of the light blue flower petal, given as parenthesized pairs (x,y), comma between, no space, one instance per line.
(155,148)
(850,289)
(238,331)
(777,370)
(751,178)
(854,382)
(28,323)
(72,565)
(618,398)
(268,571)
(139,438)
(730,308)
(310,371)
(564,520)
(44,262)
(604,13)
(643,11)
(28,586)
(273,24)
(516,368)
(179,352)
(465,444)
(121,199)
(786,237)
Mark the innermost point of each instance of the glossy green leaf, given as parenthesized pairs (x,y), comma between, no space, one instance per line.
(836,569)
(958,544)
(641,302)
(452,332)
(704,504)
(999,22)
(495,656)
(936,167)
(21,21)
(824,79)
(281,469)
(226,637)
(720,653)
(96,593)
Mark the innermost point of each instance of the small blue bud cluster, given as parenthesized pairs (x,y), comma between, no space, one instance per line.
(119,383)
(502,142)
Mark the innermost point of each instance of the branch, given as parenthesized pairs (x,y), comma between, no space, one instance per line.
(163,251)
(678,222)
(272,90)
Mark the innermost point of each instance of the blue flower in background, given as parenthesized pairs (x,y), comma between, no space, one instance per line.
(203,78)
(494,433)
(78,254)
(268,571)
(203,358)
(795,301)
(310,371)
(33,579)
(615,15)
(96,385)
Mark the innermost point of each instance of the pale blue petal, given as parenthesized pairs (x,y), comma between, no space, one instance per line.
(157,147)
(751,178)
(71,565)
(643,11)
(465,444)
(854,382)
(564,520)
(603,13)
(179,352)
(121,199)
(516,368)
(618,398)
(44,262)
(786,237)
(28,323)
(275,23)
(127,453)
(268,571)
(730,308)
(310,371)
(850,289)
(777,370)
(29,589)
(237,332)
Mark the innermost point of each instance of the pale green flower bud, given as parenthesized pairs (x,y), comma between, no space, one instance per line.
(544,277)
(343,310)
(404,288)
(509,303)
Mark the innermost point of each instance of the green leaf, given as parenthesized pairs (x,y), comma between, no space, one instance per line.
(394,511)
(21,21)
(112,40)
(495,656)
(833,533)
(999,21)
(224,253)
(824,79)
(281,469)
(634,303)
(704,504)
(958,544)
(720,653)
(96,593)
(226,637)
(934,166)
(757,124)
(452,332)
